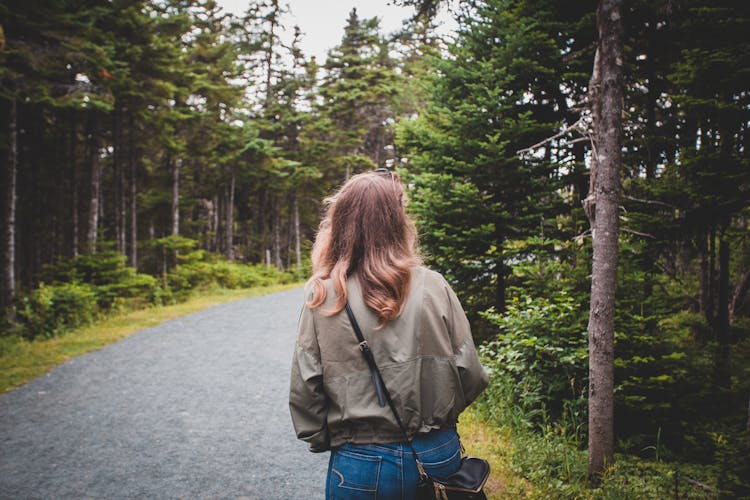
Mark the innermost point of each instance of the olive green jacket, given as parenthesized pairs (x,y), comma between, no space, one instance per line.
(426,356)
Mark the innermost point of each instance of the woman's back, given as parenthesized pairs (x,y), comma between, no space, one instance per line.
(365,255)
(426,356)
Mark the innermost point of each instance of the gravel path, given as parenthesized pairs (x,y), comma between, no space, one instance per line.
(193,408)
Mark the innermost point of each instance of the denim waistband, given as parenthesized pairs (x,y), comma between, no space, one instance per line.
(421,443)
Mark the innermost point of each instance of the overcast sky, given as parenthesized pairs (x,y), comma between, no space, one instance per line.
(323,21)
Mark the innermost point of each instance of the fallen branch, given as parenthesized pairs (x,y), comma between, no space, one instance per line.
(539,144)
(582,235)
(649,202)
(638,233)
(704,487)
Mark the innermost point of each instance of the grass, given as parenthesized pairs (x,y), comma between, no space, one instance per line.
(495,445)
(22,360)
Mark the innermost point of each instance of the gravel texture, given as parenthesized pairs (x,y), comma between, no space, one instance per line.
(195,407)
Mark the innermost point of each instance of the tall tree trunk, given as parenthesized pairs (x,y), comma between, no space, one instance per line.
(711,283)
(721,325)
(9,212)
(269,51)
(122,207)
(230,218)
(116,167)
(175,166)
(74,184)
(95,184)
(704,292)
(214,228)
(277,237)
(651,103)
(133,194)
(297,236)
(738,297)
(606,95)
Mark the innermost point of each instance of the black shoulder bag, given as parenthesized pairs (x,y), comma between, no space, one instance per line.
(466,483)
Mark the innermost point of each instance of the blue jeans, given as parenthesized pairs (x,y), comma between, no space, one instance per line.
(388,471)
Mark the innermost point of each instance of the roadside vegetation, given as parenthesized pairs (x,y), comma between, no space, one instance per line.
(94,300)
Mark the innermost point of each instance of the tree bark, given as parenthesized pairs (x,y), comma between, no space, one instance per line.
(721,327)
(606,95)
(122,207)
(95,184)
(133,194)
(175,194)
(9,212)
(269,52)
(116,184)
(297,236)
(277,238)
(740,291)
(214,227)
(230,218)
(74,184)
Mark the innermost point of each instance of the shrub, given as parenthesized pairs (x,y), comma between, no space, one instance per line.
(224,274)
(542,352)
(51,309)
(108,274)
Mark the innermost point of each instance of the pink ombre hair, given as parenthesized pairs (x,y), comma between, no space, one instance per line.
(367,232)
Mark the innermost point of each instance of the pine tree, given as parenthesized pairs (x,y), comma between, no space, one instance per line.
(496,94)
(358,90)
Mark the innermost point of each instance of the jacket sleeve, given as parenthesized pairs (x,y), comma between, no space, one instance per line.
(307,399)
(473,376)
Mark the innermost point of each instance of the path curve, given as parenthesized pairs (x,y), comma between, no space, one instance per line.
(195,407)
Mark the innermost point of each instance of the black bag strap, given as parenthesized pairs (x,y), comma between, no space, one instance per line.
(364,348)
(380,387)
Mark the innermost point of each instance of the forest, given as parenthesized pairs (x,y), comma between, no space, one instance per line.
(149,149)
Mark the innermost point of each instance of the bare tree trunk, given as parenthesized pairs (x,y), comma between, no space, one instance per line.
(116,178)
(277,239)
(711,284)
(297,249)
(740,290)
(269,51)
(122,183)
(9,212)
(74,183)
(606,95)
(175,194)
(721,367)
(230,218)
(133,195)
(95,184)
(215,223)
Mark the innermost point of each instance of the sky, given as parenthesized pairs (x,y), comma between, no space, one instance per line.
(322,21)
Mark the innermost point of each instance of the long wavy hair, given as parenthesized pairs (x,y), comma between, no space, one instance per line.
(366,231)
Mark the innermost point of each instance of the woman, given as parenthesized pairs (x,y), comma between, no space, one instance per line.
(365,254)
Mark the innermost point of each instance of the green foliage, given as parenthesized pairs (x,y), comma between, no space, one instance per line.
(551,457)
(542,351)
(108,275)
(83,288)
(201,275)
(499,91)
(51,309)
